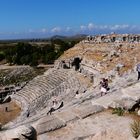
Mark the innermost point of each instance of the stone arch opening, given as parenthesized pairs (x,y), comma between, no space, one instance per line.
(124,38)
(76,63)
(113,39)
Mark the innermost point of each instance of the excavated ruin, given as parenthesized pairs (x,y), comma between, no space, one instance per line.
(75,81)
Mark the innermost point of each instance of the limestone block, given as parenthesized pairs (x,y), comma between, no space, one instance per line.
(87,110)
(25,132)
(123,103)
(67,115)
(49,123)
(132,92)
(28,132)
(106,100)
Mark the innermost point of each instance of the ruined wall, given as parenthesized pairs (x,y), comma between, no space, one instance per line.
(112,38)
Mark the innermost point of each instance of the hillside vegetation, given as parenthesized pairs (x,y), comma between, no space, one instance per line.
(34,53)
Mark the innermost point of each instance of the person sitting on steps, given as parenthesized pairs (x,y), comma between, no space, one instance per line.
(55,107)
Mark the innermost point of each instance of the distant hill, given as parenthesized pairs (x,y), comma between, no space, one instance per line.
(58,37)
(74,37)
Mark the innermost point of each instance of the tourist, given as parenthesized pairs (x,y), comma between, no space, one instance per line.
(55,102)
(138,70)
(27,113)
(104,86)
(77,95)
(55,107)
(6,109)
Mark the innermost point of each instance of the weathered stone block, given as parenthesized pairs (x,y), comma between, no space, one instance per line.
(87,110)
(48,124)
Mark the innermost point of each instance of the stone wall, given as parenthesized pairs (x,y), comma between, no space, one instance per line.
(113,38)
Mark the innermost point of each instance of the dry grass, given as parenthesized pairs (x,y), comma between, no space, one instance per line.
(94,55)
(13,112)
(132,115)
(129,56)
(84,80)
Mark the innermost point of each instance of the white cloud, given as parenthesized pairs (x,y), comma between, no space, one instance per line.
(31,31)
(90,26)
(118,27)
(114,27)
(82,27)
(68,29)
(125,26)
(44,30)
(102,27)
(56,29)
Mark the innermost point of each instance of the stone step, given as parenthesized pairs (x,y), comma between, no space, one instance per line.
(49,123)
(66,115)
(107,100)
(84,111)
(132,92)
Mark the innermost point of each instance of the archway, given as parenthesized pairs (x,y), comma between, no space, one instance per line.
(76,63)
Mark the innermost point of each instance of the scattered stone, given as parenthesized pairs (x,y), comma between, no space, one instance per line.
(27,133)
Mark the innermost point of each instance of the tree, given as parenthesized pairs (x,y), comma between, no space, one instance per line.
(2,55)
(49,58)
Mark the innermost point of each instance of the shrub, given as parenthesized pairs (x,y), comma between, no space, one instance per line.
(2,55)
(119,111)
(135,128)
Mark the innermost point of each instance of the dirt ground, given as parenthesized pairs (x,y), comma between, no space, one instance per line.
(13,110)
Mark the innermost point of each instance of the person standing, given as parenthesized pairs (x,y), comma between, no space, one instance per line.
(138,70)
(104,86)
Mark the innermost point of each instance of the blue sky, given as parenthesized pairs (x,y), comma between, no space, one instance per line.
(43,18)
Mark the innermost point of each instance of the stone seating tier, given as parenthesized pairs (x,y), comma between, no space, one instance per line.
(46,83)
(38,92)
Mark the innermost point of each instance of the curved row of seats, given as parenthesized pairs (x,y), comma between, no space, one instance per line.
(65,91)
(36,95)
(41,85)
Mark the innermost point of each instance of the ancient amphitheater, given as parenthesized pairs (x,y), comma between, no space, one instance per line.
(88,115)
